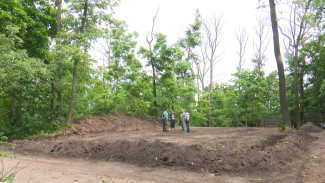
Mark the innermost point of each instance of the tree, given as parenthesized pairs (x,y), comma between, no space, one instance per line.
(260,45)
(84,23)
(315,91)
(161,58)
(192,40)
(278,57)
(150,56)
(57,85)
(122,62)
(299,25)
(242,39)
(30,25)
(212,30)
(252,93)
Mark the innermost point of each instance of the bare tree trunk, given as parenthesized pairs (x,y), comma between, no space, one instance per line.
(209,95)
(212,36)
(154,88)
(278,57)
(242,40)
(202,71)
(261,46)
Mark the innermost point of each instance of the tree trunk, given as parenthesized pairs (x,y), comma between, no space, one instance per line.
(57,84)
(246,116)
(277,53)
(58,23)
(52,101)
(302,102)
(202,82)
(295,88)
(116,97)
(74,86)
(75,66)
(299,84)
(210,89)
(198,86)
(13,108)
(59,101)
(154,90)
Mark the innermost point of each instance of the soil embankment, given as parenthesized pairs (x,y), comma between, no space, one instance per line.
(261,154)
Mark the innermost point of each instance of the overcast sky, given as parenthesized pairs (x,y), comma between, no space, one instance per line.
(175,16)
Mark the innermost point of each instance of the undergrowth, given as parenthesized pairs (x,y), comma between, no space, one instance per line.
(6,176)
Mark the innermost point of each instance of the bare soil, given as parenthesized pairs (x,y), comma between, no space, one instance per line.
(129,149)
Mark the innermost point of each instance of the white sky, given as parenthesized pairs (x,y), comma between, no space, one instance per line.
(175,16)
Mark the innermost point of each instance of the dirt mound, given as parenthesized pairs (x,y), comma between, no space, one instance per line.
(310,128)
(95,124)
(276,152)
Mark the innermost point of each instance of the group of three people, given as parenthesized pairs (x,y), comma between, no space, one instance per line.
(184,118)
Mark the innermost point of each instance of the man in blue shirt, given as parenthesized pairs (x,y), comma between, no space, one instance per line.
(165,119)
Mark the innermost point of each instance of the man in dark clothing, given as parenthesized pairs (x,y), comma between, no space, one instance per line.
(182,118)
(187,121)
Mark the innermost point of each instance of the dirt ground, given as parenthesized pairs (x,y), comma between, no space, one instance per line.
(128,149)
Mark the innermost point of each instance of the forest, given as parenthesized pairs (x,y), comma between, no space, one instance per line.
(48,76)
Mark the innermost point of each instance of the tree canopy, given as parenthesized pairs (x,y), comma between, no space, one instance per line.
(48,77)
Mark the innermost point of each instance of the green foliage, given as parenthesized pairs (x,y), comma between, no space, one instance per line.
(8,176)
(219,146)
(254,94)
(262,139)
(314,93)
(287,128)
(36,71)
(35,22)
(251,95)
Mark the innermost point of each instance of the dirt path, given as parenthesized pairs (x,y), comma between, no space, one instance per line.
(39,170)
(226,155)
(313,169)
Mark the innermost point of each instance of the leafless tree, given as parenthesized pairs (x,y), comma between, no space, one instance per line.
(261,45)
(242,38)
(212,29)
(202,65)
(149,41)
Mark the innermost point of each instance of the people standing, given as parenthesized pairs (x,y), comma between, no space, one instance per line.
(182,118)
(165,119)
(187,121)
(172,120)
